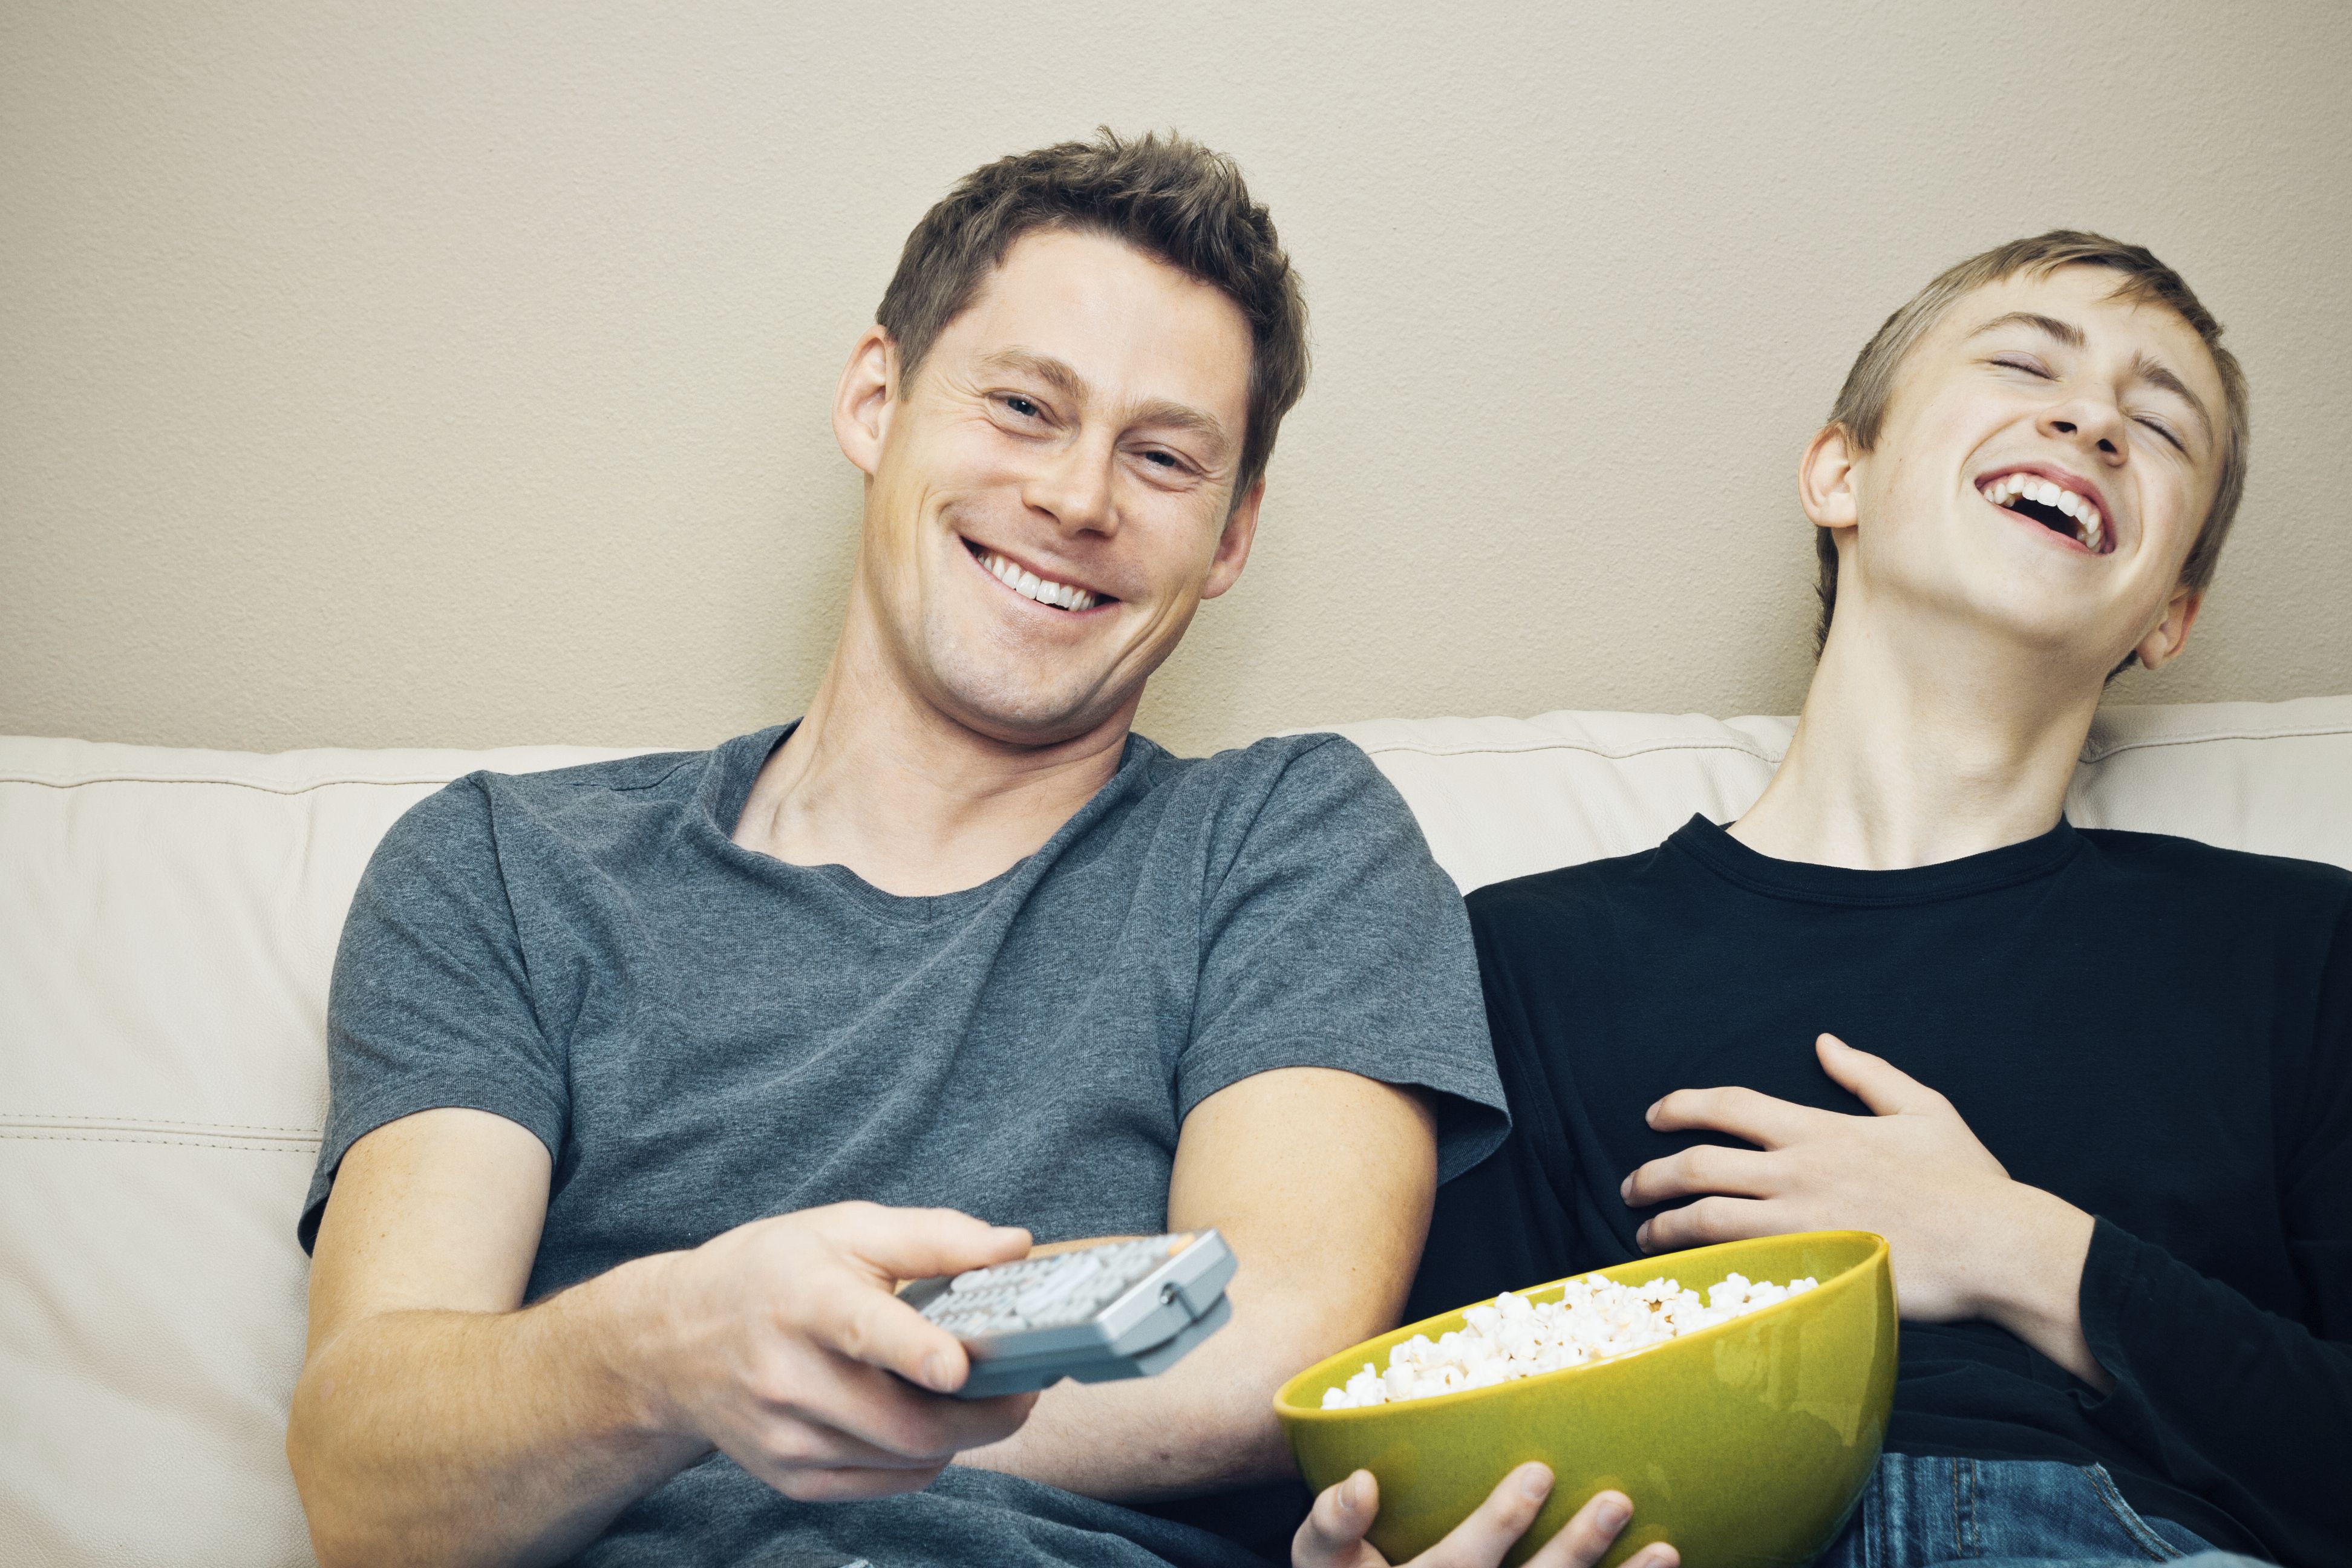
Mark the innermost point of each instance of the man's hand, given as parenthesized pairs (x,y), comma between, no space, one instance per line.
(1333,1535)
(1966,1241)
(783,1344)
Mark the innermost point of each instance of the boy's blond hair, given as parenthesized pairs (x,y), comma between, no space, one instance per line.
(1869,387)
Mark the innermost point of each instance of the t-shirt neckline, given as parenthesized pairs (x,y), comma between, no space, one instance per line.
(735,766)
(1992,869)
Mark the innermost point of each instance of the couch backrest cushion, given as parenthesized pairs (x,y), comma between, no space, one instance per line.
(168,921)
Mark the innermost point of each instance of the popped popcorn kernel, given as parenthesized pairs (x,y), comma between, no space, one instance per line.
(1511,1337)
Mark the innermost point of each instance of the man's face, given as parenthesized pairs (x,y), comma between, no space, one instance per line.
(2047,457)
(1052,496)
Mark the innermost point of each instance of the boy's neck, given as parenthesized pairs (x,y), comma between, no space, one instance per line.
(1920,745)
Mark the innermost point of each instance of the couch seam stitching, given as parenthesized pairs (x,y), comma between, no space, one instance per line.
(248,1145)
(2101,753)
(8,1117)
(219,783)
(2094,753)
(1377,749)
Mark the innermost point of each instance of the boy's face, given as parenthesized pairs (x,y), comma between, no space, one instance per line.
(2047,459)
(1052,495)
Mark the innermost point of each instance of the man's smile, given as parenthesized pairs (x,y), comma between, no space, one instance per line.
(2067,506)
(1054,594)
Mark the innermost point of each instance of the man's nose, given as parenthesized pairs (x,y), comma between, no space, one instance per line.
(2091,422)
(1074,485)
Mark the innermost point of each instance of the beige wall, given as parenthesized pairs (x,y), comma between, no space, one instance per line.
(457,374)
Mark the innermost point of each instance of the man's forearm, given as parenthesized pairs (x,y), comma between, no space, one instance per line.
(1206,1423)
(478,1437)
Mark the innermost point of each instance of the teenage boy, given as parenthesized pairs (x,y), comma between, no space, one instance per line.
(2094,1088)
(651,1078)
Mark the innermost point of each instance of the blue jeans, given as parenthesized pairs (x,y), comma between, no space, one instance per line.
(2007,1514)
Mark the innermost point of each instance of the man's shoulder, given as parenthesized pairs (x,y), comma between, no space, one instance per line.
(473,814)
(1300,760)
(587,784)
(1299,783)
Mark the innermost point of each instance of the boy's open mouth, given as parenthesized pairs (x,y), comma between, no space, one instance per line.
(1054,595)
(2052,505)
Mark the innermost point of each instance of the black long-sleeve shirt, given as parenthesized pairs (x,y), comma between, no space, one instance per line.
(2158,1031)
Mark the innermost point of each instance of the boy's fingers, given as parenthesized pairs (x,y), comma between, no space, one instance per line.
(1333,1535)
(1481,1540)
(1709,1221)
(1585,1539)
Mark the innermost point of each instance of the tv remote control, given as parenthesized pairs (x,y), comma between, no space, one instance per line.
(1118,1309)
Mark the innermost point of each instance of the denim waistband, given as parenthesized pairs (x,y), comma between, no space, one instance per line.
(1920,1511)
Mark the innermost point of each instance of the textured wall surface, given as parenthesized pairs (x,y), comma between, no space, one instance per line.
(459,374)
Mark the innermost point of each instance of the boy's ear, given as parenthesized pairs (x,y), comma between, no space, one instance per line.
(2169,635)
(862,403)
(1825,478)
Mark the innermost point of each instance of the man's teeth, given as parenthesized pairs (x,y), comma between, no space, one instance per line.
(2090,528)
(1028,584)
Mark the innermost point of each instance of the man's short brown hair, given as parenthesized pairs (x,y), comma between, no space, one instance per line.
(1168,196)
(1869,387)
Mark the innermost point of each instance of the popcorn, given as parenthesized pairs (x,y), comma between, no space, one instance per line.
(1512,1336)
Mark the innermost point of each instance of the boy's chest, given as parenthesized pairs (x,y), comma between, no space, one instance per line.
(2152,1103)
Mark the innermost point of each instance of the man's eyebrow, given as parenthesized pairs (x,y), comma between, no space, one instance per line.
(1161,413)
(2067,332)
(1166,415)
(1043,367)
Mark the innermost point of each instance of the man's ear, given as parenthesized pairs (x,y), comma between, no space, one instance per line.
(2164,642)
(1825,478)
(862,402)
(1233,543)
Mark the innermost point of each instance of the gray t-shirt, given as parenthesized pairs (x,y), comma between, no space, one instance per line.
(703,1035)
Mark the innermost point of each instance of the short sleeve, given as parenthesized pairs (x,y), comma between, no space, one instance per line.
(431,1003)
(1330,938)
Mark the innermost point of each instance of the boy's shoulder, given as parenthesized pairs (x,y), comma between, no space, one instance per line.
(2167,861)
(1545,901)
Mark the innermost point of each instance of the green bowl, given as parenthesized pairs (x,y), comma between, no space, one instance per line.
(1745,1445)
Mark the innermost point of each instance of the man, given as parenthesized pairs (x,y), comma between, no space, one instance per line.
(2094,1088)
(651,1078)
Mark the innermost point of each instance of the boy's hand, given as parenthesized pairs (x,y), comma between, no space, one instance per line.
(1966,1241)
(1333,1535)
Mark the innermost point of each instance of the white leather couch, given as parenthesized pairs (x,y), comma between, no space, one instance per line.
(167,923)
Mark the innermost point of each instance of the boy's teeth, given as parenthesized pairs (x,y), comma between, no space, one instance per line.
(1029,585)
(2090,526)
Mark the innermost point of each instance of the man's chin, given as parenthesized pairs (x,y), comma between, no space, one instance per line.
(1015,715)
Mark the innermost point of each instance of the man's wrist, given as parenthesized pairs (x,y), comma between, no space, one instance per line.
(624,1320)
